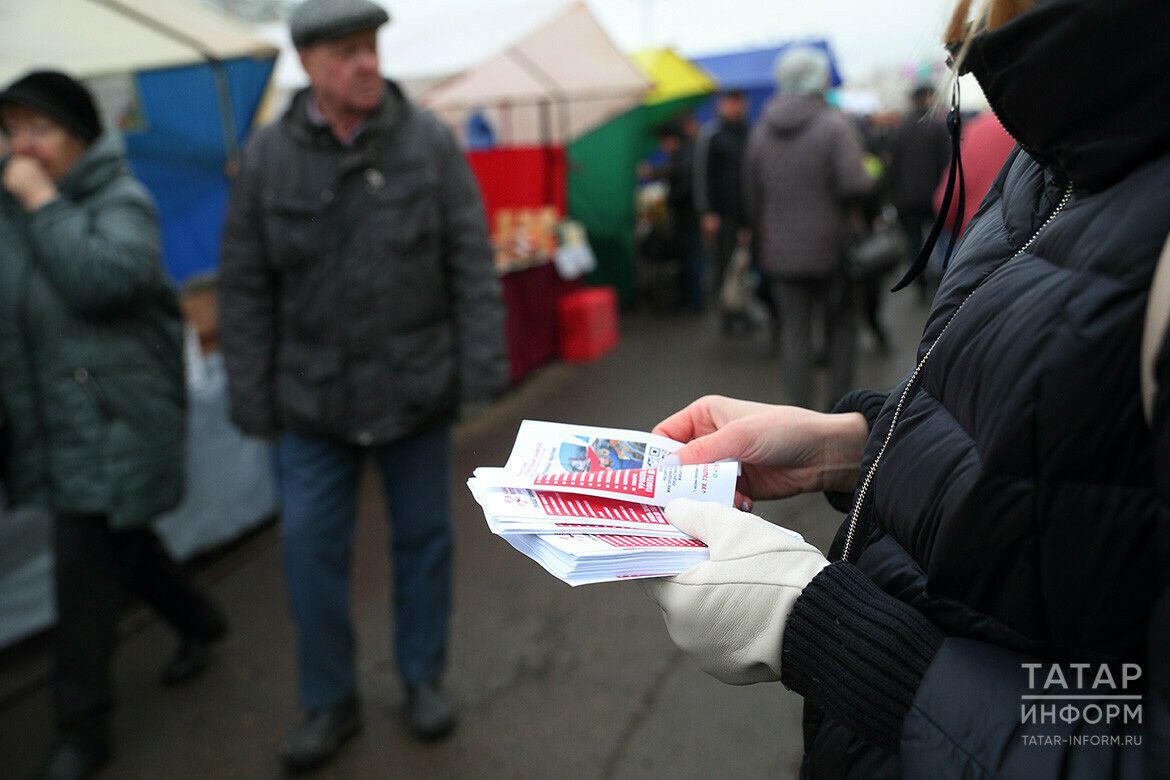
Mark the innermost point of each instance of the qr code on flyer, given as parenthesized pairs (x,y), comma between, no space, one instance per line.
(654,454)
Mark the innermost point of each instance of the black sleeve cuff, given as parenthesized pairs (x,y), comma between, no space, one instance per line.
(869,403)
(857,653)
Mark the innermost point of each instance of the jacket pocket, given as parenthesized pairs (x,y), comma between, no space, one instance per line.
(136,405)
(406,207)
(308,384)
(406,231)
(96,395)
(294,230)
(109,427)
(76,416)
(425,360)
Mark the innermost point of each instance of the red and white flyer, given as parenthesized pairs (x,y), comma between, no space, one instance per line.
(587,559)
(509,527)
(518,510)
(656,486)
(586,503)
(546,448)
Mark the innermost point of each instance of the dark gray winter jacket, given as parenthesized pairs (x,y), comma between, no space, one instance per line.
(803,163)
(91,362)
(357,293)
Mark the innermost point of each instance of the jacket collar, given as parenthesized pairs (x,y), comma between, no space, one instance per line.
(389,114)
(103,161)
(1081,85)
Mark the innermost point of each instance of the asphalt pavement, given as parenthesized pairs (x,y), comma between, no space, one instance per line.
(549,681)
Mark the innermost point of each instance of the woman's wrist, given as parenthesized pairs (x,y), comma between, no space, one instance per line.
(844,445)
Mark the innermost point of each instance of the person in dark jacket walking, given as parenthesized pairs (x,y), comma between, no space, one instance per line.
(802,167)
(677,141)
(360,307)
(718,186)
(919,151)
(988,607)
(91,379)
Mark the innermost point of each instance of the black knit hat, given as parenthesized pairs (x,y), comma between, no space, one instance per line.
(61,98)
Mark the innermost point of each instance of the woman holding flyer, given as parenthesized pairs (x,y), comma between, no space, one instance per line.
(989,605)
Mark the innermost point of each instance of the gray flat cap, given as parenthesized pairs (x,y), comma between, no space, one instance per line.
(320,20)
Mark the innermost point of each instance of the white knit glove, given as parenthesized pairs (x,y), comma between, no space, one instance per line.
(728,613)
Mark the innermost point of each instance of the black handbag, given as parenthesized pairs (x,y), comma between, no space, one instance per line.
(875,253)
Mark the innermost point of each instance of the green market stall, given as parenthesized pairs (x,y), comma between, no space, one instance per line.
(602,163)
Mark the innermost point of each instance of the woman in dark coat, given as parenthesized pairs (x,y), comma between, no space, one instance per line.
(988,607)
(91,379)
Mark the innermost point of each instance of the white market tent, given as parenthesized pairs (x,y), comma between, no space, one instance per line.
(509,60)
(562,79)
(108,37)
(420,47)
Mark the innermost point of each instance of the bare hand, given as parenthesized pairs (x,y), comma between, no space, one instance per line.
(785,450)
(744,237)
(710,223)
(28,182)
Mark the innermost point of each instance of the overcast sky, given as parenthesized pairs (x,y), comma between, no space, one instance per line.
(865,33)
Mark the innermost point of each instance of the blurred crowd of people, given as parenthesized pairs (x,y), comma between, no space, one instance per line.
(798,221)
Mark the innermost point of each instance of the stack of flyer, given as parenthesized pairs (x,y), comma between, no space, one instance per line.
(586,503)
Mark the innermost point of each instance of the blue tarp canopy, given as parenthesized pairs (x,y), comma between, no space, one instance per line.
(182,155)
(181,80)
(752,71)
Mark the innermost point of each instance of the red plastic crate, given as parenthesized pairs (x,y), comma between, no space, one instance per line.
(587,324)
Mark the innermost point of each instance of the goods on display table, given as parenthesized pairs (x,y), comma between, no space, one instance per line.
(524,237)
(541,258)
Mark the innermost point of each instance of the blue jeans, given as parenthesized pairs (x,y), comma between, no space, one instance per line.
(318,489)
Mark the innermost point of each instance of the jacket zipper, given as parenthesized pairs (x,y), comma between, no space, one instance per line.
(30,365)
(855,512)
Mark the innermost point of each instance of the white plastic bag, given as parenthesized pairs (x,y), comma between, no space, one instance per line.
(736,295)
(574,258)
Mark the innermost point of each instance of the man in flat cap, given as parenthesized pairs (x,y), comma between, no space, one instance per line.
(359,306)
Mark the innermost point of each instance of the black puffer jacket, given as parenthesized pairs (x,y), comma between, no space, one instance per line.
(1016,504)
(358,297)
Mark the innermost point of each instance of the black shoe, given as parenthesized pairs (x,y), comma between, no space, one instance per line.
(428,711)
(74,761)
(318,739)
(188,662)
(191,658)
